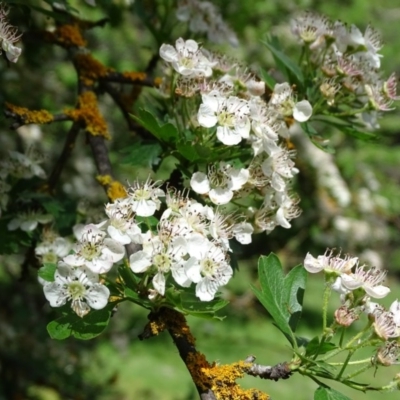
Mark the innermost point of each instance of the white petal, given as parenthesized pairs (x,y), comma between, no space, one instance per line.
(302,111)
(205,291)
(113,249)
(139,261)
(312,265)
(168,53)
(220,195)
(238,177)
(192,269)
(377,292)
(199,183)
(350,282)
(97,296)
(159,283)
(228,136)
(54,295)
(206,116)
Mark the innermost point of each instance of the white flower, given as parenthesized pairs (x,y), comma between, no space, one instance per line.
(278,167)
(52,250)
(25,166)
(144,198)
(121,225)
(220,183)
(230,114)
(95,251)
(164,258)
(186,58)
(28,221)
(208,268)
(329,263)
(8,36)
(369,280)
(287,210)
(79,285)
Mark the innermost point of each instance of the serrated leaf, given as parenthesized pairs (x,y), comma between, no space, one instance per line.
(324,393)
(281,296)
(191,303)
(88,327)
(165,133)
(143,155)
(292,69)
(47,272)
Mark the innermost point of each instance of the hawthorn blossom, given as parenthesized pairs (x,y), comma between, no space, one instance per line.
(282,98)
(370,280)
(29,220)
(52,248)
(143,198)
(95,251)
(278,167)
(208,267)
(231,115)
(8,36)
(186,58)
(25,166)
(161,259)
(220,183)
(330,264)
(78,284)
(121,225)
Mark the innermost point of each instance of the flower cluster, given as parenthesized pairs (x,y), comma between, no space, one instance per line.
(189,245)
(203,17)
(230,115)
(8,36)
(348,63)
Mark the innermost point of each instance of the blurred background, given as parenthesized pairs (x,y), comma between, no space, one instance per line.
(349,201)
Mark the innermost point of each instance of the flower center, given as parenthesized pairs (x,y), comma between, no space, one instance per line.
(142,194)
(226,119)
(162,262)
(208,267)
(89,251)
(76,290)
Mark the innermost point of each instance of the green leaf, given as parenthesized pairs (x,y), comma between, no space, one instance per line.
(268,79)
(292,69)
(165,133)
(314,347)
(365,136)
(295,284)
(142,155)
(47,272)
(186,302)
(281,296)
(88,327)
(326,393)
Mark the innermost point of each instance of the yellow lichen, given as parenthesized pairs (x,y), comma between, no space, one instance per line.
(135,76)
(116,190)
(30,116)
(104,180)
(88,114)
(221,379)
(90,69)
(69,35)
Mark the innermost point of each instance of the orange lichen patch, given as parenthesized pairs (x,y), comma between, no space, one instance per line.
(69,35)
(88,114)
(221,379)
(156,327)
(135,76)
(30,116)
(90,69)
